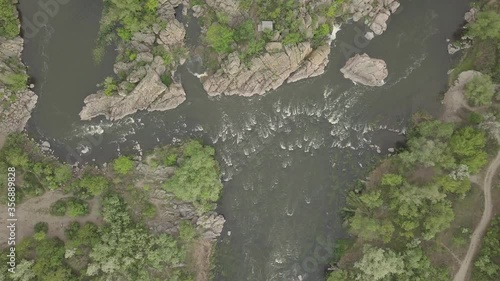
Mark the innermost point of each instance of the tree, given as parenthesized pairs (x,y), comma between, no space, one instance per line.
(220,38)
(95,185)
(123,165)
(480,90)
(378,264)
(197,179)
(24,271)
(486,26)
(440,216)
(76,207)
(371,229)
(468,145)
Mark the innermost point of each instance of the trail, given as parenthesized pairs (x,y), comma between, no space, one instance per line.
(478,233)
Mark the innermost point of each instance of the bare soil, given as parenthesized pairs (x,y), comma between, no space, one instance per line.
(36,209)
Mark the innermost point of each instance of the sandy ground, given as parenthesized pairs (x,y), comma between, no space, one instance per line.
(454,99)
(478,233)
(36,209)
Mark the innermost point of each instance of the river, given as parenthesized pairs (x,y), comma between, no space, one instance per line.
(287,158)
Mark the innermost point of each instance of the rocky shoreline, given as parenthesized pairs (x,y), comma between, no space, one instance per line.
(279,64)
(17,100)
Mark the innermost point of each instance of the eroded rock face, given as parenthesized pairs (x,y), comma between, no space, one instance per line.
(211,225)
(268,71)
(150,94)
(15,106)
(365,70)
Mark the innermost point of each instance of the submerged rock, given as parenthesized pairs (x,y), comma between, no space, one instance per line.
(365,70)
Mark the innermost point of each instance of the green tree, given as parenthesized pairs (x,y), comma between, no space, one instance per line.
(123,165)
(486,26)
(468,145)
(378,264)
(24,271)
(95,185)
(197,179)
(76,207)
(480,90)
(220,38)
(370,229)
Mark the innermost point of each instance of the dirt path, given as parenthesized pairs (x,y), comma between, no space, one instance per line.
(478,233)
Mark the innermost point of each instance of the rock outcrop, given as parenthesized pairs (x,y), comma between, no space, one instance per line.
(376,13)
(211,225)
(365,70)
(145,74)
(150,94)
(268,71)
(16,103)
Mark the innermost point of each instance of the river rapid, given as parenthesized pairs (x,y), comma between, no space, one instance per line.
(287,158)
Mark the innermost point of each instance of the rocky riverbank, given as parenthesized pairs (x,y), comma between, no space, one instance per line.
(17,100)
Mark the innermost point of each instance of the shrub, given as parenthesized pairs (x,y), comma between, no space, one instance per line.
(187,231)
(171,159)
(109,86)
(76,207)
(15,81)
(58,208)
(72,229)
(480,90)
(41,227)
(95,185)
(123,165)
(220,38)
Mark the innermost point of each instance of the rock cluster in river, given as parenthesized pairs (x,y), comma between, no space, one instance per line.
(15,106)
(365,70)
(144,72)
(376,13)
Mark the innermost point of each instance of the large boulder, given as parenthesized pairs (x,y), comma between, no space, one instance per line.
(211,225)
(365,70)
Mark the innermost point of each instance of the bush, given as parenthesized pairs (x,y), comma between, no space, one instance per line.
(123,165)
(76,207)
(58,208)
(72,229)
(187,232)
(220,38)
(480,90)
(95,185)
(15,81)
(109,86)
(41,227)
